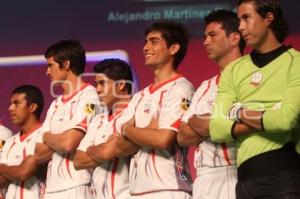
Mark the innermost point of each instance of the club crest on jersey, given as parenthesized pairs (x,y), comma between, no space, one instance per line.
(256,79)
(89,108)
(147,108)
(185,103)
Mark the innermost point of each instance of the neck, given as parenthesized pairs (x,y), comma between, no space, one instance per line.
(120,105)
(71,85)
(163,74)
(31,124)
(268,44)
(233,54)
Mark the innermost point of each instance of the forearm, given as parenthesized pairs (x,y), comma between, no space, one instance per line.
(187,136)
(150,137)
(101,152)
(66,142)
(20,172)
(125,147)
(253,119)
(200,124)
(43,153)
(4,182)
(239,129)
(83,161)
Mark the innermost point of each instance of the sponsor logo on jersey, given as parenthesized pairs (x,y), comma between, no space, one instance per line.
(89,108)
(185,103)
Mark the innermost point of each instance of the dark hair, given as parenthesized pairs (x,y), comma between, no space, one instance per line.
(68,50)
(229,21)
(172,32)
(116,69)
(279,26)
(33,95)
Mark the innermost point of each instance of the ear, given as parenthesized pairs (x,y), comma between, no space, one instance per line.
(174,48)
(121,85)
(269,18)
(33,107)
(235,38)
(66,65)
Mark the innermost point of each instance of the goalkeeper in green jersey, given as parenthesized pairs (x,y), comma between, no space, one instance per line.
(258,105)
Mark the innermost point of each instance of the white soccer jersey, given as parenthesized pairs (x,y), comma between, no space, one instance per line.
(15,151)
(110,179)
(207,153)
(74,112)
(153,170)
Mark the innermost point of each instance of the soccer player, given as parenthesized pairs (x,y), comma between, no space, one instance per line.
(260,95)
(159,169)
(215,163)
(114,81)
(5,134)
(66,122)
(18,169)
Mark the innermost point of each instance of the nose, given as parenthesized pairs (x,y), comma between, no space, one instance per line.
(48,71)
(10,108)
(206,41)
(146,47)
(242,26)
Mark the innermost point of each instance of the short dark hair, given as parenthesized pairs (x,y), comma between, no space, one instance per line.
(68,50)
(33,95)
(229,21)
(172,32)
(116,69)
(279,25)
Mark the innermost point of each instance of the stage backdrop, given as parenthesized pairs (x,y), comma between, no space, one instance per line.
(29,27)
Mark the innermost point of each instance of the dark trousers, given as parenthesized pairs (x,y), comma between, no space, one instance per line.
(271,175)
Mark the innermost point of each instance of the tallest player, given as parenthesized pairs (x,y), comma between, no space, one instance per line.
(66,122)
(159,169)
(215,163)
(261,93)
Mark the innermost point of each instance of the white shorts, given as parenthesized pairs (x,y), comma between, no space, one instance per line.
(79,192)
(163,195)
(215,183)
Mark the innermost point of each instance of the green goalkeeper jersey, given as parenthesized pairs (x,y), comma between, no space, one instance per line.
(274,88)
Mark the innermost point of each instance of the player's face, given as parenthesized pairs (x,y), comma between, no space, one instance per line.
(106,90)
(54,71)
(19,110)
(216,42)
(253,27)
(156,51)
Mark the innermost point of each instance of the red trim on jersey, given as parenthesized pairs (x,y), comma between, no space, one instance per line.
(218,79)
(206,90)
(225,152)
(22,184)
(113,175)
(153,88)
(83,123)
(68,165)
(152,152)
(23,136)
(66,99)
(10,148)
(22,190)
(147,192)
(71,110)
(176,124)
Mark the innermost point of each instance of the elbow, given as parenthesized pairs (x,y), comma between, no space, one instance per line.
(181,140)
(25,175)
(69,147)
(165,144)
(106,155)
(77,163)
